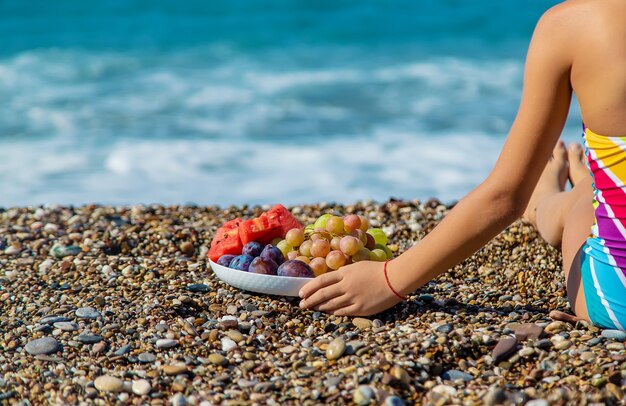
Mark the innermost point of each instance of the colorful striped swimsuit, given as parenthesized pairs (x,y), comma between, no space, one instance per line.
(603,263)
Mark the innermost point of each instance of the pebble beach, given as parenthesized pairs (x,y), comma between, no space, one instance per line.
(117,305)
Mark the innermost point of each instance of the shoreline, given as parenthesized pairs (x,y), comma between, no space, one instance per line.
(136,303)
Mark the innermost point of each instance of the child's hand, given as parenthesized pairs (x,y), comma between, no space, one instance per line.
(358,289)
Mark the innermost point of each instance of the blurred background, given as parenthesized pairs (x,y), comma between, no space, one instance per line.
(257,101)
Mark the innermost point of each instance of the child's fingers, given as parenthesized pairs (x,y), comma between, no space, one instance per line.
(321,296)
(351,310)
(319,282)
(333,304)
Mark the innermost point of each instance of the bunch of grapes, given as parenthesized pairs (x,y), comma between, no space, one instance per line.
(332,242)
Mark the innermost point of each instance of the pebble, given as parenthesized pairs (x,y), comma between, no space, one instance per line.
(62,251)
(45,345)
(235,335)
(562,345)
(494,396)
(526,331)
(165,343)
(199,288)
(175,369)
(141,387)
(336,348)
(87,313)
(537,402)
(361,323)
(394,401)
(454,374)
(122,350)
(66,325)
(89,338)
(178,400)
(146,357)
(228,344)
(54,319)
(617,335)
(218,359)
(107,383)
(557,327)
(504,349)
(445,328)
(363,395)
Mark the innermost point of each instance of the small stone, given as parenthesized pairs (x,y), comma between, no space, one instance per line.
(363,395)
(187,248)
(504,349)
(165,343)
(400,374)
(89,338)
(54,319)
(235,335)
(45,345)
(528,330)
(336,348)
(66,325)
(198,288)
(62,251)
(146,357)
(122,350)
(87,313)
(175,369)
(556,327)
(178,400)
(494,396)
(543,344)
(454,374)
(218,359)
(616,335)
(99,348)
(444,328)
(615,346)
(615,390)
(228,344)
(141,387)
(107,383)
(563,345)
(361,323)
(526,351)
(587,356)
(394,401)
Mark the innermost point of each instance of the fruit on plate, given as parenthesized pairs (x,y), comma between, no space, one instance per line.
(271,253)
(241,262)
(262,266)
(333,241)
(295,268)
(253,248)
(274,223)
(225,259)
(226,240)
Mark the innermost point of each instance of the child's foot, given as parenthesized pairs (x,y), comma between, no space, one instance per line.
(552,181)
(577,164)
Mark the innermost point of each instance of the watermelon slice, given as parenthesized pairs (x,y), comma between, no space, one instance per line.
(286,220)
(226,240)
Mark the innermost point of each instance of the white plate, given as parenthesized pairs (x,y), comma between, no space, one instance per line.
(254,282)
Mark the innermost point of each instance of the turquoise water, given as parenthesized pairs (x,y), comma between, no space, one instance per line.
(231,102)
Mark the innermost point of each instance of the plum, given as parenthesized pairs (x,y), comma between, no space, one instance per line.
(241,262)
(295,268)
(272,253)
(225,259)
(253,249)
(262,266)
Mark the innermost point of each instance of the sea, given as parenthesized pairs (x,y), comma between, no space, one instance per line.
(226,102)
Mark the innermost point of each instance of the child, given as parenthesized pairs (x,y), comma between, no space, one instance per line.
(578,46)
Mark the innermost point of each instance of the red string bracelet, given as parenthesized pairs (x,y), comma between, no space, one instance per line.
(389,284)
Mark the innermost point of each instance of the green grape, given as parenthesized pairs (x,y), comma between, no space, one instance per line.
(334,243)
(378,255)
(309,229)
(320,248)
(350,245)
(295,237)
(305,248)
(386,249)
(284,247)
(379,235)
(362,255)
(275,241)
(335,259)
(304,259)
(318,265)
(321,221)
(335,225)
(351,222)
(365,224)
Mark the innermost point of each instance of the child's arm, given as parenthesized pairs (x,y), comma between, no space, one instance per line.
(361,289)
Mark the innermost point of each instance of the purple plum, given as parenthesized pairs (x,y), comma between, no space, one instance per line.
(262,266)
(253,249)
(241,262)
(272,253)
(295,268)
(225,259)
